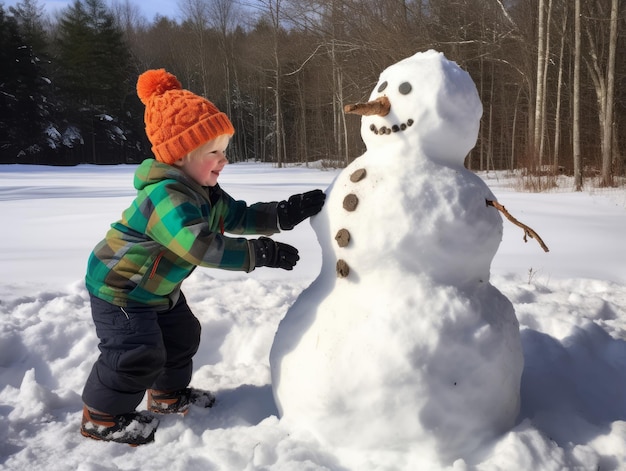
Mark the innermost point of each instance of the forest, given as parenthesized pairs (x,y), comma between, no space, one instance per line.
(551,75)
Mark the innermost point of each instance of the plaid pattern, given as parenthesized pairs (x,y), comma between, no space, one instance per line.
(172,226)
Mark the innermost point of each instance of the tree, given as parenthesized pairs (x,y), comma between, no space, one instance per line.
(557,114)
(542,48)
(601,68)
(11,54)
(29,16)
(578,172)
(550,84)
(93,76)
(129,19)
(275,14)
(27,103)
(196,18)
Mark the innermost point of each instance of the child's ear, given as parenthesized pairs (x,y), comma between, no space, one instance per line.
(180,162)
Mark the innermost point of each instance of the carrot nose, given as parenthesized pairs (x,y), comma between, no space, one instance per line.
(380,106)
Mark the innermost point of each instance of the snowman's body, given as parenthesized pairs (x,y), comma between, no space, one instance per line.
(384,352)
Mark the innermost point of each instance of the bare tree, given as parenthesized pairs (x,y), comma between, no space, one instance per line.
(540,74)
(130,20)
(557,113)
(284,69)
(578,172)
(222,19)
(271,12)
(607,128)
(602,72)
(544,88)
(196,14)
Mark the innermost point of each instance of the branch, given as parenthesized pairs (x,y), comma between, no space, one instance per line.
(304,63)
(527,230)
(506,13)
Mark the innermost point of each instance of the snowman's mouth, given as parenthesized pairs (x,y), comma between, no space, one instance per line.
(384,130)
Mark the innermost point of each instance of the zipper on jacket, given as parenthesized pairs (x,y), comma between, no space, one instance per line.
(156,265)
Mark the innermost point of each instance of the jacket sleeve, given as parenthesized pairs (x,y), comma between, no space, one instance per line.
(239,218)
(179,222)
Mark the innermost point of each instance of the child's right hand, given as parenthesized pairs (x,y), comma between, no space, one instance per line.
(299,207)
(269,253)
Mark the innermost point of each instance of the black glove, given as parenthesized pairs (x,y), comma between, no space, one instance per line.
(269,253)
(299,207)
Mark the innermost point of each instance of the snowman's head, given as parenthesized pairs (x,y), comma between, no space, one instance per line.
(426,101)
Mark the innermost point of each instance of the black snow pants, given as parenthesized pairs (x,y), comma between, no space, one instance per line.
(140,349)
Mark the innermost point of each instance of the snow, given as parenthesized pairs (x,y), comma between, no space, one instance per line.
(456,305)
(570,308)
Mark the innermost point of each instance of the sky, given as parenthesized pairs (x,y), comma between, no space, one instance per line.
(149,8)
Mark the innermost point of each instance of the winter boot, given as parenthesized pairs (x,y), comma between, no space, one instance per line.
(133,428)
(178,402)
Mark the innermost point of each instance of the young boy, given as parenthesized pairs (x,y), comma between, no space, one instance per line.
(148,335)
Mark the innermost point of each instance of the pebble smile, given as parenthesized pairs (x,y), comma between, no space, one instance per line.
(394,128)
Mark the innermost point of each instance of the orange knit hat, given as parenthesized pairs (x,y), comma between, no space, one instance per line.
(177,121)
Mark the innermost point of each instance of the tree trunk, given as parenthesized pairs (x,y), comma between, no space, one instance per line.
(302,140)
(557,117)
(544,86)
(196,13)
(603,78)
(578,174)
(607,130)
(274,7)
(539,93)
(514,128)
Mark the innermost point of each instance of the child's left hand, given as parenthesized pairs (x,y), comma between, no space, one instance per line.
(269,253)
(299,207)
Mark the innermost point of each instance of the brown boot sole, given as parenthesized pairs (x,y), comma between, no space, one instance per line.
(86,434)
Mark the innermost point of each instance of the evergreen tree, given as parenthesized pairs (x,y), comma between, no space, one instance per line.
(9,106)
(26,106)
(93,70)
(29,16)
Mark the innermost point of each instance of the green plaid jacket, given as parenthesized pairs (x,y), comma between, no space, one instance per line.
(172,226)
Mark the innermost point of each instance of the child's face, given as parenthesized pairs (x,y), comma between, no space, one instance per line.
(205,163)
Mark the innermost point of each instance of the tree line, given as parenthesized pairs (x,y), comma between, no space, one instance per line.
(551,75)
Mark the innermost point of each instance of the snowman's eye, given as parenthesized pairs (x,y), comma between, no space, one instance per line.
(405,88)
(382,86)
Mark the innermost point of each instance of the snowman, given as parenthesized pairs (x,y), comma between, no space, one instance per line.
(401,354)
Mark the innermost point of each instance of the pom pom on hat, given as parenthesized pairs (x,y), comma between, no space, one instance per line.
(177,120)
(156,82)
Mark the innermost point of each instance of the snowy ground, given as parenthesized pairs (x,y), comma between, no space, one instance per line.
(571,304)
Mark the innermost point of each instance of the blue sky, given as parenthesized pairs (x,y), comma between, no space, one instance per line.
(149,8)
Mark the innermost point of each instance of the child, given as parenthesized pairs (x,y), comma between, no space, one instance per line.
(148,335)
